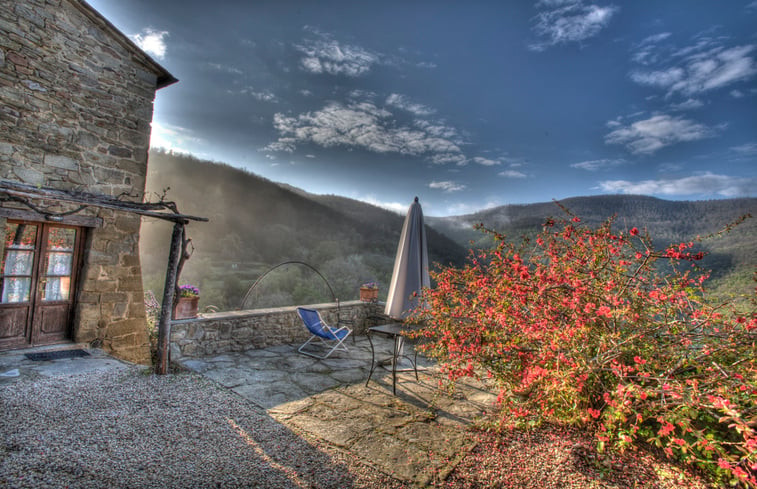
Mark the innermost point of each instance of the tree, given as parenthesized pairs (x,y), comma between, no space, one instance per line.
(580,327)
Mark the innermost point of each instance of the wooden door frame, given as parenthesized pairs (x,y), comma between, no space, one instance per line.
(32,336)
(76,254)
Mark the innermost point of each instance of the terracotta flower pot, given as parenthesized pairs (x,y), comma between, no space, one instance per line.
(368,294)
(186,308)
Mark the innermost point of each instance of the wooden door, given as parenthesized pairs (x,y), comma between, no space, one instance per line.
(37,283)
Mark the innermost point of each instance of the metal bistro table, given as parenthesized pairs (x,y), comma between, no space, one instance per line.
(394,331)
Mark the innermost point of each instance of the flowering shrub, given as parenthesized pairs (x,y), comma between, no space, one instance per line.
(579,326)
(189,291)
(369,285)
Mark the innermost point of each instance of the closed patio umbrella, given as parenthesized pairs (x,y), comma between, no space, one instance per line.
(410,266)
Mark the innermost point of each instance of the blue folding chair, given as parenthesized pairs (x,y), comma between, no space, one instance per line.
(329,337)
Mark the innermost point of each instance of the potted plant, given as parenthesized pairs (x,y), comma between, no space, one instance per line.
(369,292)
(186,304)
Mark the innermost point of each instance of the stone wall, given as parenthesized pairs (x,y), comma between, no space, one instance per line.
(260,328)
(77,102)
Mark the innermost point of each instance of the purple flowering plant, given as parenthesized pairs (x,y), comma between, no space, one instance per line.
(189,291)
(369,285)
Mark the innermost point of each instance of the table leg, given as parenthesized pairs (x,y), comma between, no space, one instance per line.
(394,364)
(415,362)
(373,359)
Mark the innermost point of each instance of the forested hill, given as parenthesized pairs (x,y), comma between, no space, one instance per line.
(256,224)
(732,257)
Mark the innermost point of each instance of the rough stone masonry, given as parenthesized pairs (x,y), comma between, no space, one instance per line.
(76,102)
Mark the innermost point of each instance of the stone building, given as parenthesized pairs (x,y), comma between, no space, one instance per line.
(76,103)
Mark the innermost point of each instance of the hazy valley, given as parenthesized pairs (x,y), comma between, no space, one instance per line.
(256,224)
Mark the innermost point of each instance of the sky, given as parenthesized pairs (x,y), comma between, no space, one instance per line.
(467,105)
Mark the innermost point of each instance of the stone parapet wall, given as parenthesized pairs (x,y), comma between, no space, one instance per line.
(260,328)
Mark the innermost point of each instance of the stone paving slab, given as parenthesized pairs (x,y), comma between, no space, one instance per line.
(272,376)
(417,436)
(414,439)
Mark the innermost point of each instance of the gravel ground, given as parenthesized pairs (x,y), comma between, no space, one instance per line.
(132,430)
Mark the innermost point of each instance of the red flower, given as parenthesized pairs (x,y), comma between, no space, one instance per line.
(666,429)
(634,231)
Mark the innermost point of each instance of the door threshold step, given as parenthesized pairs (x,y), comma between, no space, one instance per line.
(55,355)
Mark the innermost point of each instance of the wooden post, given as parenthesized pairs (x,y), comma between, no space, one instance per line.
(164,324)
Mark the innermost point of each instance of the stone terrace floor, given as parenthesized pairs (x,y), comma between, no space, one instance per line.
(416,436)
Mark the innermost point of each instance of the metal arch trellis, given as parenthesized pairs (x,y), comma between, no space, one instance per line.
(290,262)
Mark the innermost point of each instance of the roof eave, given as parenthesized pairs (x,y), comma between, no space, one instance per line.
(164,78)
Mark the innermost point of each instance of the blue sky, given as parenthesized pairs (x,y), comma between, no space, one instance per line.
(467,105)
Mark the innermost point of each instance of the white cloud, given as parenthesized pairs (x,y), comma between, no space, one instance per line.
(283,145)
(655,38)
(397,207)
(748,149)
(595,165)
(649,135)
(702,184)
(689,104)
(465,208)
(486,161)
(458,159)
(447,186)
(570,21)
(402,102)
(512,174)
(437,129)
(358,94)
(262,95)
(662,79)
(226,68)
(326,55)
(644,52)
(151,41)
(172,138)
(364,125)
(704,66)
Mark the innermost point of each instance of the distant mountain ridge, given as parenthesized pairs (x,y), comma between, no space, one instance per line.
(662,217)
(732,257)
(256,223)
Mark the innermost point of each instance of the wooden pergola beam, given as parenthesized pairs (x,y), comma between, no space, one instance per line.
(148,209)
